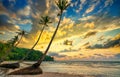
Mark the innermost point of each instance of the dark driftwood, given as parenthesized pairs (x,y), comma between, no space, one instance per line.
(10,65)
(27,71)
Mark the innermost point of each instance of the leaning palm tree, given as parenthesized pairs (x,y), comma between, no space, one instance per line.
(44,21)
(10,45)
(13,44)
(62,5)
(34,69)
(21,33)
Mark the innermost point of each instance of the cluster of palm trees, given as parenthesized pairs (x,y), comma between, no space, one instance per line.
(12,43)
(45,20)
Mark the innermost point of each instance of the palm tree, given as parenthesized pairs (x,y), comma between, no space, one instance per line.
(34,69)
(21,33)
(44,21)
(62,5)
(11,44)
(13,41)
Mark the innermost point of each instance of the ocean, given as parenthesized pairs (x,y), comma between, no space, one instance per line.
(91,68)
(95,68)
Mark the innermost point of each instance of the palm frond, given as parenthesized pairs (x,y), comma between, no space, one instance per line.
(45,20)
(62,5)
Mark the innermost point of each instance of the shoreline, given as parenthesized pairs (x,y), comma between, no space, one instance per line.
(70,69)
(50,74)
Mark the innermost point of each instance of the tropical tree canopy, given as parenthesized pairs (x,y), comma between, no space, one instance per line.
(45,20)
(62,5)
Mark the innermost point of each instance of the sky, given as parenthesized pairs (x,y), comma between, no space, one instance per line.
(93,26)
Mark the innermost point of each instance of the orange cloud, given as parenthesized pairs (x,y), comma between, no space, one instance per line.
(116,37)
(66,21)
(90,25)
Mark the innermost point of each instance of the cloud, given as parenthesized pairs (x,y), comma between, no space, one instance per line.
(21,21)
(37,8)
(31,12)
(3,10)
(108,3)
(66,21)
(6,25)
(99,21)
(2,33)
(4,20)
(67,24)
(117,37)
(80,54)
(90,9)
(90,33)
(25,12)
(95,46)
(69,50)
(90,25)
(9,16)
(56,55)
(12,28)
(87,18)
(50,5)
(100,55)
(117,55)
(40,8)
(61,56)
(65,28)
(81,5)
(114,42)
(92,6)
(53,54)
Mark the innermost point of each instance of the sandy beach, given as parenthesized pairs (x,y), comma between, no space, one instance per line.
(49,74)
(71,69)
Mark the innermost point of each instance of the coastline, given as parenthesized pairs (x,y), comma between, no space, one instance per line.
(71,69)
(50,74)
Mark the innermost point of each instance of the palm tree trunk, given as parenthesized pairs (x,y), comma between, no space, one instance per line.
(36,65)
(18,41)
(38,37)
(33,45)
